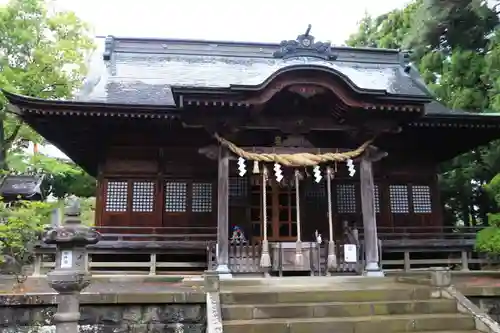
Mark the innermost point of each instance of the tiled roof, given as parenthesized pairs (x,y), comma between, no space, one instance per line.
(143,71)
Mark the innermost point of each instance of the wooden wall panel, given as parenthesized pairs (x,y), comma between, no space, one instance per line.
(181,165)
(116,166)
(189,203)
(409,196)
(183,183)
(129,202)
(314,210)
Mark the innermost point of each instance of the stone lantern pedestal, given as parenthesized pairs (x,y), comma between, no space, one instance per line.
(71,274)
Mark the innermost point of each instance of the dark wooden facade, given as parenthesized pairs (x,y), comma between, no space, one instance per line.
(156,160)
(178,188)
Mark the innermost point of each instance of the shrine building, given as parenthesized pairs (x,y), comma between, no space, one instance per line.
(197,141)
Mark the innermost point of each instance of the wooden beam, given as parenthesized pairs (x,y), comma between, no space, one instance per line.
(301,121)
(369,216)
(223,213)
(293,124)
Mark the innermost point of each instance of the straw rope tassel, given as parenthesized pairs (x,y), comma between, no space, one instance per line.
(265,259)
(332,257)
(299,257)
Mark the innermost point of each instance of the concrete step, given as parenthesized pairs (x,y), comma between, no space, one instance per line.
(336,309)
(318,296)
(367,324)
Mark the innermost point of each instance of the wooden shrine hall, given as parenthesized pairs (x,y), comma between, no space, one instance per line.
(203,146)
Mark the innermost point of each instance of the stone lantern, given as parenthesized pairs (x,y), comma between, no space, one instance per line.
(71,274)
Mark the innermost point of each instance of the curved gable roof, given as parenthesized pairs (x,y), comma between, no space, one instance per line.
(143,71)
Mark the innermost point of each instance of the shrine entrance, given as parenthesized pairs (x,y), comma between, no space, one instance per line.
(281,210)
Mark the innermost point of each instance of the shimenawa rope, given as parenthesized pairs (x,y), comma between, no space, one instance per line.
(294,160)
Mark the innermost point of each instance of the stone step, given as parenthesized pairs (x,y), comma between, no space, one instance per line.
(368,324)
(336,309)
(318,296)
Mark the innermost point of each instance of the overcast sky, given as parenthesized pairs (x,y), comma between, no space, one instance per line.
(256,20)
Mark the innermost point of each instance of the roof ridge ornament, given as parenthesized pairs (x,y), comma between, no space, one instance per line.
(109,47)
(304,46)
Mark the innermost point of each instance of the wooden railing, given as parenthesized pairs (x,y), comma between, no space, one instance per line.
(245,258)
(157,233)
(146,249)
(44,261)
(426,238)
(455,259)
(400,248)
(152,237)
(442,232)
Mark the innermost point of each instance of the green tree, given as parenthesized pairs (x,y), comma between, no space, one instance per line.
(488,239)
(386,31)
(62,178)
(43,54)
(20,227)
(456,47)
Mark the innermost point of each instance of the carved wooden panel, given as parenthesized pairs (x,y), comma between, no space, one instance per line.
(175,196)
(398,195)
(116,196)
(421,198)
(346,198)
(201,198)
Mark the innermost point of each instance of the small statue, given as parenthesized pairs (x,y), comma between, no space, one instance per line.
(238,236)
(319,239)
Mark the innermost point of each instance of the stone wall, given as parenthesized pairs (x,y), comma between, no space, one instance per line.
(145,308)
(104,318)
(489,304)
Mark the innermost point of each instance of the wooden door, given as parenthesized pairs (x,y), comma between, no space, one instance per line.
(189,205)
(281,211)
(130,203)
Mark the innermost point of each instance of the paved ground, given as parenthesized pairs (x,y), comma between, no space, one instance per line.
(477,281)
(9,286)
(149,285)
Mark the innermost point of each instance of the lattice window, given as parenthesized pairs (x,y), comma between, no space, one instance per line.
(421,197)
(116,196)
(376,198)
(346,198)
(399,199)
(202,198)
(143,195)
(175,197)
(238,187)
(315,190)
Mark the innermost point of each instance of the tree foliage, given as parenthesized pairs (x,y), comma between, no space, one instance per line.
(488,239)
(20,227)
(62,178)
(43,54)
(455,45)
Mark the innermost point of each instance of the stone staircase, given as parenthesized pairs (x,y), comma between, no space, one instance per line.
(396,308)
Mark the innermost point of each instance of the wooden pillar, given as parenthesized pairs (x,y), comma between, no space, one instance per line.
(372,267)
(223,213)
